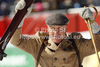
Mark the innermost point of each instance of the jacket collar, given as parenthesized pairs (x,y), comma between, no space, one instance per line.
(51,45)
(63,44)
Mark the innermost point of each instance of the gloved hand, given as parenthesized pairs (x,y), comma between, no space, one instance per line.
(87,13)
(20,5)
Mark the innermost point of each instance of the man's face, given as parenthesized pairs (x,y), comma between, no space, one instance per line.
(57,33)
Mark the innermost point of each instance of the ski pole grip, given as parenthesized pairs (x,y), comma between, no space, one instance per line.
(94,9)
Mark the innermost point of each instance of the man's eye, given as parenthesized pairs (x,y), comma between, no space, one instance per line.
(52,28)
(60,28)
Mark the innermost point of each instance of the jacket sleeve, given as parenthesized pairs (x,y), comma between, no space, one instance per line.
(86,47)
(29,44)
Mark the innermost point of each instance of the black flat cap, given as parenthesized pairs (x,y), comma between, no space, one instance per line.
(57,19)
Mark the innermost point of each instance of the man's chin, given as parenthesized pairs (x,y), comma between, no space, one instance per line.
(56,41)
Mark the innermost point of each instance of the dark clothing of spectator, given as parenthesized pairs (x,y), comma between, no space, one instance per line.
(96,2)
(4,12)
(83,3)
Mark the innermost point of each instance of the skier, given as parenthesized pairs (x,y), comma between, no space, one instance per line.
(55,49)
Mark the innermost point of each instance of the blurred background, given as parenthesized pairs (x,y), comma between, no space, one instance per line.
(36,22)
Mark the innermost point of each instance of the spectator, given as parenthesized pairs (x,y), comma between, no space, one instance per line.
(90,3)
(68,4)
(61,4)
(83,3)
(4,10)
(38,6)
(96,2)
(37,1)
(76,4)
(1,1)
(52,4)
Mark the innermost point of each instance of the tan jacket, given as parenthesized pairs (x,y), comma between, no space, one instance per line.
(64,55)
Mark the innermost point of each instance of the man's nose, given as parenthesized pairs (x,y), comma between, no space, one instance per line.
(56,31)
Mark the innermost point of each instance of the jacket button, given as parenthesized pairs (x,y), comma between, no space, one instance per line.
(64,59)
(55,58)
(67,41)
(46,42)
(54,66)
(63,66)
(61,46)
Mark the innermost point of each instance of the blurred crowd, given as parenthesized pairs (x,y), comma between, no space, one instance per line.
(5,6)
(45,5)
(66,4)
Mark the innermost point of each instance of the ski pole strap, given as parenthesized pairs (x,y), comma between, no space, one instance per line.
(77,52)
(95,11)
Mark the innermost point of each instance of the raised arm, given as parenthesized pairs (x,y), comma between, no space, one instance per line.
(29,44)
(86,47)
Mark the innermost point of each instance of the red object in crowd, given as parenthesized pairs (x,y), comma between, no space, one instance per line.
(38,7)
